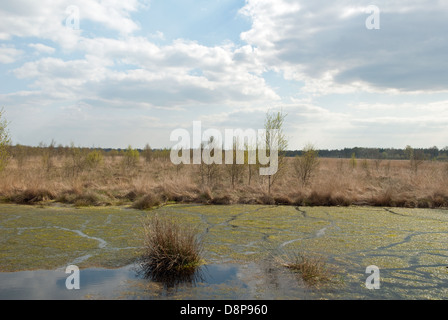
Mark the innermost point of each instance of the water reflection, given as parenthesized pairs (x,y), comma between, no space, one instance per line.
(171,280)
(168,285)
(50,285)
(130,282)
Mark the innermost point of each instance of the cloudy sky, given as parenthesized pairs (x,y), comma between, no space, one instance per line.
(111,73)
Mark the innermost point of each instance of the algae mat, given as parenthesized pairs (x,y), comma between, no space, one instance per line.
(409,246)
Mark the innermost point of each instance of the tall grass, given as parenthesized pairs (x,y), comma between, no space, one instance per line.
(171,249)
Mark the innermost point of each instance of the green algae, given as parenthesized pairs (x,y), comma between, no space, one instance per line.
(408,245)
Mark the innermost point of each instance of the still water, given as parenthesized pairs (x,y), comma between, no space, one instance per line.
(215,281)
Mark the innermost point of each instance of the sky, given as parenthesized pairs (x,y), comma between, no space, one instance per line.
(109,73)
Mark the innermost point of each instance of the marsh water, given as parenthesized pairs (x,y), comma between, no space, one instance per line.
(219,281)
(244,247)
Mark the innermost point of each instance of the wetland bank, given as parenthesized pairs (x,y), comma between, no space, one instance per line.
(243,245)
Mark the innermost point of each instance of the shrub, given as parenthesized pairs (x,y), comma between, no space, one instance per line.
(146,202)
(205,196)
(131,158)
(282,200)
(306,164)
(76,162)
(31,196)
(94,159)
(266,199)
(223,200)
(170,249)
(317,199)
(147,153)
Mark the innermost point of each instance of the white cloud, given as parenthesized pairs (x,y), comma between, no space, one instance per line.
(47,19)
(157,75)
(41,48)
(88,82)
(9,54)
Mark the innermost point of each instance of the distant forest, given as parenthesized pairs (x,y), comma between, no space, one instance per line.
(432,153)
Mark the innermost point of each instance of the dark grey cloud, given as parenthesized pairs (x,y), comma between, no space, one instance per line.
(409,52)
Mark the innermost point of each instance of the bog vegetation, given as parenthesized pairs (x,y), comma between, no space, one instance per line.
(84,176)
(147,178)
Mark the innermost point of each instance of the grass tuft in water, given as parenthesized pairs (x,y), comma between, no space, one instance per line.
(312,269)
(171,249)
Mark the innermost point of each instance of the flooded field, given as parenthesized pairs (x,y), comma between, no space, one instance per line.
(243,247)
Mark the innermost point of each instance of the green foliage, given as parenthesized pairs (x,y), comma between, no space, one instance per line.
(94,159)
(306,164)
(4,141)
(161,154)
(131,157)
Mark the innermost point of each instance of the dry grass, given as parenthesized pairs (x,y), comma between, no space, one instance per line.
(335,182)
(170,249)
(311,269)
(147,201)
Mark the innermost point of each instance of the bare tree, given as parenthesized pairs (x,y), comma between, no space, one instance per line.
(251,167)
(416,158)
(234,169)
(5,141)
(209,171)
(377,158)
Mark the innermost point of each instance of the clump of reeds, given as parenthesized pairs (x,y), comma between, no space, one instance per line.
(170,249)
(311,268)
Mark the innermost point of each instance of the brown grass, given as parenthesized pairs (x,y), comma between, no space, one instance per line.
(170,249)
(311,269)
(147,201)
(335,183)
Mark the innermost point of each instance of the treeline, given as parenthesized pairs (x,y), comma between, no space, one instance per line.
(432,153)
(148,153)
(52,150)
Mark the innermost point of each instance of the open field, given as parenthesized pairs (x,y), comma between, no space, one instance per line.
(409,246)
(112,182)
